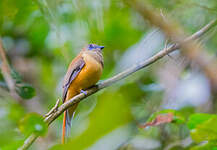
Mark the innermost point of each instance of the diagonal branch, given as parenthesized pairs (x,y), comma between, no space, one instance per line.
(115,79)
(6,72)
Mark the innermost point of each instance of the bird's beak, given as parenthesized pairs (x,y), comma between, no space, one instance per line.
(101,47)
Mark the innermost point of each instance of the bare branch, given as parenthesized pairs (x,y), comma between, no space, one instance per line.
(113,80)
(6,72)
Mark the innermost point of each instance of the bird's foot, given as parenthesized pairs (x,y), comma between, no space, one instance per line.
(84,92)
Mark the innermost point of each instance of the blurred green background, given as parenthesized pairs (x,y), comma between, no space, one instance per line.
(41,37)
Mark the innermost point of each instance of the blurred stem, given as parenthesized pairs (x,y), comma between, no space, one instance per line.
(6,72)
(49,119)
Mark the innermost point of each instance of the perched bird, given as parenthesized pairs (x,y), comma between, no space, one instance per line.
(83,72)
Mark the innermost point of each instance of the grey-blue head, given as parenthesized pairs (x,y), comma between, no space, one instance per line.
(94,47)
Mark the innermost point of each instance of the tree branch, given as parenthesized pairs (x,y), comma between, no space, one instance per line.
(49,119)
(6,72)
(191,49)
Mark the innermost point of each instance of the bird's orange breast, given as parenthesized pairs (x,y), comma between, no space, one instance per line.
(89,75)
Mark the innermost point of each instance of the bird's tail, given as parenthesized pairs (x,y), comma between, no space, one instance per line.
(64,128)
(68,116)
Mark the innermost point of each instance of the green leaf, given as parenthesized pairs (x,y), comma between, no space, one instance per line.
(57,147)
(197,119)
(16,112)
(211,145)
(205,131)
(33,123)
(16,76)
(25,90)
(13,145)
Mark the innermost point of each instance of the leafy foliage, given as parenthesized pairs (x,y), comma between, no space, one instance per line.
(203,129)
(25,90)
(41,37)
(33,123)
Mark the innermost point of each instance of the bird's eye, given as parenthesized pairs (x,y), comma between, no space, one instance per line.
(91,46)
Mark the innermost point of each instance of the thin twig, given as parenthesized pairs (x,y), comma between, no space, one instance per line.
(113,80)
(6,72)
(54,109)
(165,47)
(167,40)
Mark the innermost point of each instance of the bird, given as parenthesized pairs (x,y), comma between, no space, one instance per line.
(83,72)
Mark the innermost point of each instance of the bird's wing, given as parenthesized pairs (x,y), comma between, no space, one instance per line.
(75,67)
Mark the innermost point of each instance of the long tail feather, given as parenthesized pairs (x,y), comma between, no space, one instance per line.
(64,128)
(68,116)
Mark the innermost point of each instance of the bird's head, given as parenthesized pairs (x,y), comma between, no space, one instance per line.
(95,51)
(93,47)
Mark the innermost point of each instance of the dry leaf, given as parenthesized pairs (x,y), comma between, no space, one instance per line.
(160,119)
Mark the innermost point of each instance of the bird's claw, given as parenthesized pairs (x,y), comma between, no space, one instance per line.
(84,92)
